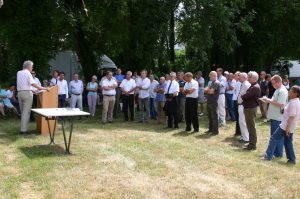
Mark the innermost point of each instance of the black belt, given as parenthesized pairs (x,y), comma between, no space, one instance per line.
(24,90)
(75,94)
(221,93)
(109,95)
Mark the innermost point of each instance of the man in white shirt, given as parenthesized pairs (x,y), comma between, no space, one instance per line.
(221,100)
(171,92)
(75,90)
(127,87)
(191,88)
(25,96)
(229,95)
(275,110)
(153,85)
(242,121)
(109,85)
(143,84)
(63,90)
(236,92)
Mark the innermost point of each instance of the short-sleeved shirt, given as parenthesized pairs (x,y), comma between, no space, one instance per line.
(192,85)
(160,97)
(280,96)
(24,80)
(153,85)
(53,81)
(232,83)
(172,87)
(107,82)
(223,84)
(213,98)
(128,85)
(76,87)
(290,110)
(120,77)
(236,90)
(145,84)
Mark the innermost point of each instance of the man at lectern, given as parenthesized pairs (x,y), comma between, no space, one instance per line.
(25,95)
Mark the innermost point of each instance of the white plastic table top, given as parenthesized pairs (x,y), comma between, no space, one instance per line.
(60,112)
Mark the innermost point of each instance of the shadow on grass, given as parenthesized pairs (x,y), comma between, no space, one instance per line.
(204,136)
(234,141)
(41,151)
(182,134)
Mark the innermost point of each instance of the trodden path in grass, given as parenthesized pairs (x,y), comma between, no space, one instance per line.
(131,160)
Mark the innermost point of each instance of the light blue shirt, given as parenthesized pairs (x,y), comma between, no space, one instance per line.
(92,86)
(75,87)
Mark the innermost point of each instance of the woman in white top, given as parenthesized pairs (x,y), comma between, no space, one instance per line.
(55,75)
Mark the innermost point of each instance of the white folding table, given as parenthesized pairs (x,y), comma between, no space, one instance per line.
(62,114)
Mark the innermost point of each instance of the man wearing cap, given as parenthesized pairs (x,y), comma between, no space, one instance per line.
(25,95)
(191,104)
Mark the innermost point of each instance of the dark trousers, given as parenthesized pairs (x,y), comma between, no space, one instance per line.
(15,103)
(153,112)
(212,112)
(128,103)
(191,113)
(62,101)
(236,112)
(118,101)
(172,112)
(250,115)
(230,106)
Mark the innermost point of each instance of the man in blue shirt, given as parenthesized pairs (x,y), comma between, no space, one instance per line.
(119,77)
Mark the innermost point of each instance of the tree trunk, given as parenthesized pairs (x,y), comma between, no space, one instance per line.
(172,38)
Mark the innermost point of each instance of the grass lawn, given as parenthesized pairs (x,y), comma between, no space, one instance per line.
(131,160)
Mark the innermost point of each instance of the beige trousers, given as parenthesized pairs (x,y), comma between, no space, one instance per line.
(108,108)
(25,101)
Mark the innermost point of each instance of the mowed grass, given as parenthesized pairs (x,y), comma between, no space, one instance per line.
(131,160)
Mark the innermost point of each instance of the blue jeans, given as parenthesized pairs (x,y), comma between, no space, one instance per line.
(279,147)
(153,112)
(288,145)
(230,106)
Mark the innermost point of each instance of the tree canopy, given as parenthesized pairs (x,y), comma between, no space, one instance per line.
(235,34)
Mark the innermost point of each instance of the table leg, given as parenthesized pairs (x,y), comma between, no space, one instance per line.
(67,143)
(51,133)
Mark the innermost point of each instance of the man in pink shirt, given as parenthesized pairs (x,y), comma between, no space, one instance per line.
(286,128)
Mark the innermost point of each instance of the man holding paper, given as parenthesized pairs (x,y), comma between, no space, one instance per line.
(275,113)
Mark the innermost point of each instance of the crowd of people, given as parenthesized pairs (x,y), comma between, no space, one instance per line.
(175,97)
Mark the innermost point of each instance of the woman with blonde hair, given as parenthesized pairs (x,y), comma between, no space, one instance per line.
(92,88)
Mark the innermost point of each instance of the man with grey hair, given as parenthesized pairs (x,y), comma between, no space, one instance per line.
(250,103)
(171,92)
(212,92)
(191,104)
(127,87)
(143,84)
(242,122)
(25,95)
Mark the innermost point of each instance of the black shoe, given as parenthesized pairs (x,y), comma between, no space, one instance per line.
(23,133)
(188,129)
(214,134)
(176,127)
(250,148)
(290,162)
(141,121)
(196,131)
(207,132)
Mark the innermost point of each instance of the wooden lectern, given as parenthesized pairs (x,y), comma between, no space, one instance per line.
(47,99)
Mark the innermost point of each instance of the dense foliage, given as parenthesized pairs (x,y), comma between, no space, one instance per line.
(136,34)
